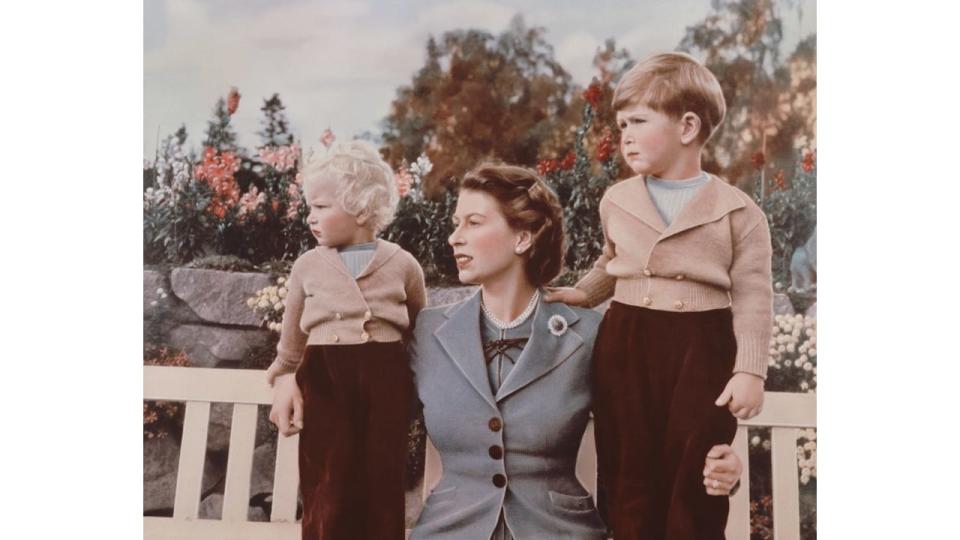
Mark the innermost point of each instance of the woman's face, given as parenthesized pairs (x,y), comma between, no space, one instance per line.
(484,245)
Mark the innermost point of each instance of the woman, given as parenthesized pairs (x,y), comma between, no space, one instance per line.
(504,378)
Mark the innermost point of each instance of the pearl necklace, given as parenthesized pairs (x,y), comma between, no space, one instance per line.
(519,320)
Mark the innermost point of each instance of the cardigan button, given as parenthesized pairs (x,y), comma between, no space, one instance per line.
(334,338)
(647,300)
(495,424)
(367,315)
(496,452)
(364,337)
(338,316)
(678,304)
(499,480)
(647,272)
(680,277)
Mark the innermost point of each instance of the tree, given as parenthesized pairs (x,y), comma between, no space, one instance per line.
(275,130)
(479,96)
(220,134)
(771,105)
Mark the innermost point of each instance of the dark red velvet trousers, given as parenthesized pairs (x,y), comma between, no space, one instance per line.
(353,444)
(656,375)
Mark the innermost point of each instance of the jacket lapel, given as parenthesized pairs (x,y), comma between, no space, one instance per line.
(332,258)
(544,351)
(381,255)
(459,336)
(713,201)
(634,198)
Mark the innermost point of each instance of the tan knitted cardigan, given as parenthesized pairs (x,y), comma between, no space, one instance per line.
(715,254)
(325,305)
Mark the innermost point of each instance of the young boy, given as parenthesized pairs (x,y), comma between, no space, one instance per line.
(687,259)
(350,302)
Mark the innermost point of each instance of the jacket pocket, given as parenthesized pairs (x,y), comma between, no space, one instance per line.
(571,503)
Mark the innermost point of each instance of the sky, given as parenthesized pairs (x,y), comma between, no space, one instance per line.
(338,63)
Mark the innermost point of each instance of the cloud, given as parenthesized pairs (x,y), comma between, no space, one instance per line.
(575,53)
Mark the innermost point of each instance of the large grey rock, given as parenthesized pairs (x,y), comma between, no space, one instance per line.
(221,420)
(152,282)
(438,296)
(209,346)
(782,305)
(264,463)
(211,507)
(217,296)
(160,459)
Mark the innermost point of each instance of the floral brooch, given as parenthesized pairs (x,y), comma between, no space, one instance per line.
(558,325)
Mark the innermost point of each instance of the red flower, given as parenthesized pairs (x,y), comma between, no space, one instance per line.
(780,180)
(233,100)
(568,161)
(808,160)
(593,94)
(217,171)
(547,166)
(759,160)
(606,147)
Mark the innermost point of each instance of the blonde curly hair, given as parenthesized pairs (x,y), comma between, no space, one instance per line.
(364,181)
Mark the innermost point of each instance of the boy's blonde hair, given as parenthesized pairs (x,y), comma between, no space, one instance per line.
(364,181)
(674,83)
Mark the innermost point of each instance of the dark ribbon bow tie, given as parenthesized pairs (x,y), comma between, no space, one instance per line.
(500,346)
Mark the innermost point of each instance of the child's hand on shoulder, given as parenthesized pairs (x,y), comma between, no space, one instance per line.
(567,295)
(743,395)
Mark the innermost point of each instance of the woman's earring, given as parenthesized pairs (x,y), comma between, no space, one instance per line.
(519,251)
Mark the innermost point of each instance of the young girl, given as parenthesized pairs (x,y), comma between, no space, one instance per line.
(351,300)
(687,260)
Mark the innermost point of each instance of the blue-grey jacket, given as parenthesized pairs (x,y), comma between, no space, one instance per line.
(515,451)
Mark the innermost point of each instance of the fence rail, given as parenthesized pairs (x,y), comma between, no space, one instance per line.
(785,413)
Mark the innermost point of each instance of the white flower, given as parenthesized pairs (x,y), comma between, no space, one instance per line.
(263,304)
(160,291)
(755,440)
(282,293)
(281,281)
(251,302)
(278,306)
(808,366)
(153,303)
(812,351)
(558,325)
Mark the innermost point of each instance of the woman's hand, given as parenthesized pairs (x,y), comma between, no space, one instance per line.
(743,395)
(287,410)
(722,470)
(567,295)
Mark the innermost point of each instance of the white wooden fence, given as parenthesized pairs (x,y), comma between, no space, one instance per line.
(785,413)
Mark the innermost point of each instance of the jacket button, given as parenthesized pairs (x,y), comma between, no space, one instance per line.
(678,304)
(647,300)
(647,272)
(338,316)
(367,315)
(495,424)
(364,336)
(680,277)
(334,338)
(496,452)
(499,480)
